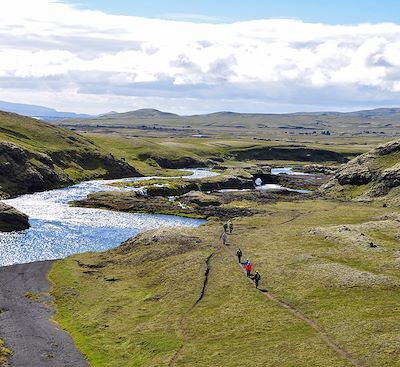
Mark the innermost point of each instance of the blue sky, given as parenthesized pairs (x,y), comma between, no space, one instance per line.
(288,56)
(321,11)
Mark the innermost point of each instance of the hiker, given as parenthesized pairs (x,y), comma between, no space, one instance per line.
(245,263)
(225,227)
(230,227)
(239,254)
(257,278)
(224,237)
(248,269)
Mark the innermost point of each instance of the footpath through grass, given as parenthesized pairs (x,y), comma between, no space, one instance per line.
(135,306)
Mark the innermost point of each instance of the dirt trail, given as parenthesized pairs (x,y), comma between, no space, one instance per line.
(297,313)
(180,322)
(25,325)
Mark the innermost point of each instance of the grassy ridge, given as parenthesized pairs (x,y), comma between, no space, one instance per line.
(305,258)
(152,154)
(38,136)
(37,156)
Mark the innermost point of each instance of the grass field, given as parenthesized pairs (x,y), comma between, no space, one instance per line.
(140,151)
(136,305)
(311,126)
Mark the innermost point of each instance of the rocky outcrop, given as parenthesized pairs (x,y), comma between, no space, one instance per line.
(232,178)
(170,188)
(173,162)
(188,206)
(371,175)
(200,199)
(311,182)
(11,219)
(23,171)
(37,156)
(289,153)
(318,169)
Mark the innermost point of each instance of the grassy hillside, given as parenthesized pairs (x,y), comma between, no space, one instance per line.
(154,154)
(331,301)
(38,136)
(374,175)
(36,156)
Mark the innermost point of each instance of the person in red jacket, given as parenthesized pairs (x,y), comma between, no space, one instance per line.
(248,269)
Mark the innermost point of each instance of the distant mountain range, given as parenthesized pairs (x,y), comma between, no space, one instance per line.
(39,112)
(142,113)
(50,114)
(153,113)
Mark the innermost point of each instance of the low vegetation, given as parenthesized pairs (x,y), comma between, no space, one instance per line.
(159,155)
(137,305)
(36,156)
(4,353)
(330,281)
(374,175)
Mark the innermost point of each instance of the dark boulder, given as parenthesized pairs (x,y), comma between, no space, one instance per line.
(11,219)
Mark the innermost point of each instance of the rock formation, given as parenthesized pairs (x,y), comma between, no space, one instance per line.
(11,219)
(373,175)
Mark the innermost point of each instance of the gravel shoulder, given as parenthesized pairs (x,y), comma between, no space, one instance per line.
(25,319)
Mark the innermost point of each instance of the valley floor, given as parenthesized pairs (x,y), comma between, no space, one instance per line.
(330,282)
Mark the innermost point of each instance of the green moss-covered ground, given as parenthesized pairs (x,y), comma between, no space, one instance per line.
(135,306)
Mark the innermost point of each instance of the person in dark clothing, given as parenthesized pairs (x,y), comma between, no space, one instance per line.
(239,255)
(257,278)
(225,227)
(230,227)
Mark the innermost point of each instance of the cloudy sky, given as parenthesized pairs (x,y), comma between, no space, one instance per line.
(193,56)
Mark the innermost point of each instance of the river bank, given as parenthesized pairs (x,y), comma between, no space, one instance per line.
(25,290)
(26,310)
(58,230)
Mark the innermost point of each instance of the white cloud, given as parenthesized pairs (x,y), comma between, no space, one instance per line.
(83,56)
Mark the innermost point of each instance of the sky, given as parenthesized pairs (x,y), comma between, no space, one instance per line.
(219,11)
(200,56)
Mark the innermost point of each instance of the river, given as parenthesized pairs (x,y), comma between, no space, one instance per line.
(59,230)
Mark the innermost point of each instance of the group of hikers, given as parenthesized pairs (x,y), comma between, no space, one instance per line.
(248,266)
(228,226)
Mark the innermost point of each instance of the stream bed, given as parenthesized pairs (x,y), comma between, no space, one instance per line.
(59,230)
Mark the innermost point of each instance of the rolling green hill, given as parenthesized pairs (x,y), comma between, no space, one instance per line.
(380,122)
(36,156)
(374,175)
(328,299)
